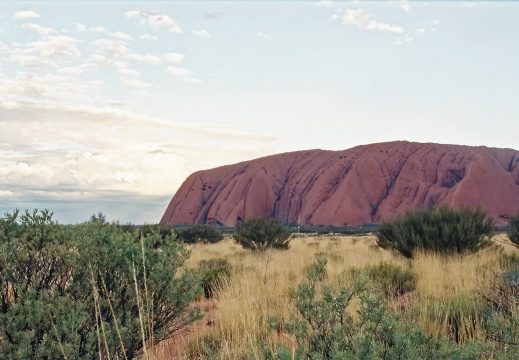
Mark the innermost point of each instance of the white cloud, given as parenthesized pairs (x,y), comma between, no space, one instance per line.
(362,20)
(334,17)
(154,20)
(80,27)
(136,84)
(40,30)
(174,57)
(32,62)
(122,36)
(324,3)
(420,31)
(178,72)
(264,36)
(142,93)
(129,73)
(145,59)
(5,193)
(203,34)
(193,81)
(115,48)
(78,70)
(54,46)
(25,15)
(148,37)
(99,29)
(404,4)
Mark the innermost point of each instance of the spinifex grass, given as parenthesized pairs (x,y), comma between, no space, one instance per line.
(445,302)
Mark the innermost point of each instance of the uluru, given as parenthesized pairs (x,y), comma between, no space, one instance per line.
(362,185)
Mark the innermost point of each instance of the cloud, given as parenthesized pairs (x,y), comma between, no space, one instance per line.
(362,20)
(420,31)
(203,34)
(99,29)
(129,73)
(145,59)
(5,193)
(25,15)
(136,84)
(174,57)
(122,36)
(80,27)
(78,70)
(142,93)
(40,30)
(154,20)
(193,81)
(177,71)
(148,37)
(54,46)
(334,17)
(115,48)
(324,3)
(264,36)
(404,5)
(33,62)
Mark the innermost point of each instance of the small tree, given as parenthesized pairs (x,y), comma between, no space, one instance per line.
(513,233)
(260,234)
(199,233)
(441,230)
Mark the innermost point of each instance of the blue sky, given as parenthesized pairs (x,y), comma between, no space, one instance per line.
(108,106)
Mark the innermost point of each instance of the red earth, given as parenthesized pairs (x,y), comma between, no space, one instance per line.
(361,185)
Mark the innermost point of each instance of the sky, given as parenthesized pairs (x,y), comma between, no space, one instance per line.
(108,106)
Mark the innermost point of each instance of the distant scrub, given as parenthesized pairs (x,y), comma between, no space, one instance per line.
(260,234)
(199,234)
(441,230)
(513,233)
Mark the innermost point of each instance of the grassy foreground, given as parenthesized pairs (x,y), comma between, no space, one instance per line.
(447,299)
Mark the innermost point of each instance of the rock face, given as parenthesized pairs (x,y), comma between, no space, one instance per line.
(361,185)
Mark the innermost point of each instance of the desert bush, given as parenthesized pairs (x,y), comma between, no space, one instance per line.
(325,328)
(441,230)
(260,234)
(513,233)
(199,233)
(88,291)
(213,271)
(502,316)
(392,279)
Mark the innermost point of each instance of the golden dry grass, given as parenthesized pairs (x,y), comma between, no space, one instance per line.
(259,287)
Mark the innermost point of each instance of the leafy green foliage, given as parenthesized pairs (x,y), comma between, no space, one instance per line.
(326,328)
(73,292)
(213,272)
(441,230)
(392,279)
(199,233)
(260,234)
(513,233)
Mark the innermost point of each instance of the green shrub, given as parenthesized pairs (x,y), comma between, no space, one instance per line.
(326,330)
(441,230)
(213,271)
(392,279)
(88,291)
(199,233)
(513,233)
(260,234)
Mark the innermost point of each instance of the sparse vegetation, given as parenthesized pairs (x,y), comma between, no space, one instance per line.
(260,234)
(325,297)
(441,230)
